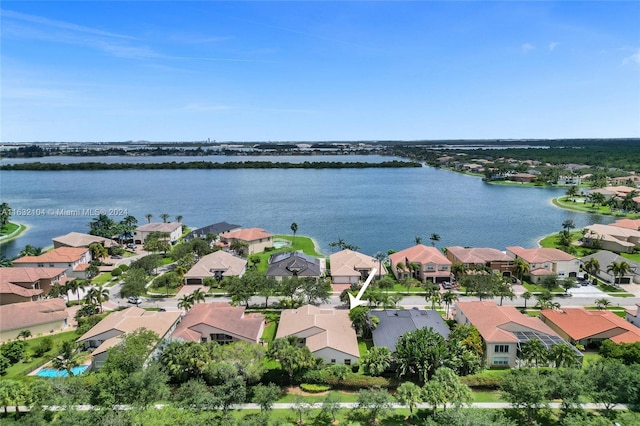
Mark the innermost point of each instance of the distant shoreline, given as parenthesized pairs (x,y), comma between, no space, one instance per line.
(15,234)
(96,166)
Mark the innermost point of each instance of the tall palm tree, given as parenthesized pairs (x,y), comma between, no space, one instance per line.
(179,218)
(563,355)
(380,256)
(520,267)
(572,191)
(592,266)
(198,296)
(67,358)
(434,238)
(148,216)
(603,303)
(164,217)
(448,298)
(534,350)
(418,240)
(526,296)
(185,302)
(568,224)
(294,229)
(98,295)
(619,269)
(75,286)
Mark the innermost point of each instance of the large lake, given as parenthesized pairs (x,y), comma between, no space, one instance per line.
(375,209)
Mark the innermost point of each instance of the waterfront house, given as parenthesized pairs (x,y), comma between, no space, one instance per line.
(546,261)
(294,264)
(107,332)
(580,326)
(613,238)
(75,260)
(606,258)
(216,265)
(481,257)
(78,239)
(522,177)
(173,229)
(220,323)
(216,230)
(350,267)
(327,333)
(628,223)
(256,239)
(24,284)
(504,329)
(393,323)
(40,317)
(430,264)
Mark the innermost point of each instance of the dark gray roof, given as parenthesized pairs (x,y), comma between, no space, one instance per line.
(216,228)
(396,322)
(290,263)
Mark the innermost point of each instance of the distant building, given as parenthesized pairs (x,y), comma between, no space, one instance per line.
(257,239)
(294,264)
(40,317)
(75,260)
(495,260)
(216,229)
(24,284)
(546,261)
(218,265)
(393,323)
(174,229)
(350,267)
(77,239)
(432,264)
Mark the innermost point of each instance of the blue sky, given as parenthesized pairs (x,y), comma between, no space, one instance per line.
(317,71)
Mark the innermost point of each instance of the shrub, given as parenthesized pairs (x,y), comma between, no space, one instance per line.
(316,376)
(43,346)
(354,381)
(488,381)
(123,267)
(116,272)
(313,388)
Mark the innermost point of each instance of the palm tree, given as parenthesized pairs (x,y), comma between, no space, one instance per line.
(572,191)
(619,269)
(434,238)
(148,216)
(379,256)
(628,203)
(24,334)
(602,303)
(418,240)
(198,296)
(448,298)
(563,355)
(294,229)
(568,224)
(186,302)
(520,267)
(534,350)
(179,218)
(74,286)
(432,294)
(458,270)
(592,266)
(526,296)
(97,295)
(67,358)
(164,217)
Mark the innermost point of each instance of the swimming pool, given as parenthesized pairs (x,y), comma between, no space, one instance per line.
(52,372)
(280,244)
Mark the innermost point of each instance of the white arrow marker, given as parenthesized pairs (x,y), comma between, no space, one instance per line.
(355,301)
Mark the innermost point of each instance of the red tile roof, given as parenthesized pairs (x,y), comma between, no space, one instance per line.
(540,255)
(222,316)
(580,323)
(249,234)
(23,315)
(478,254)
(59,255)
(420,254)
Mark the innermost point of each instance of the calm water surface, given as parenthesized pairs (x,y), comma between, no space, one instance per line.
(375,209)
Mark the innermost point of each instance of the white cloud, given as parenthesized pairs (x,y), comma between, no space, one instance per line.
(527,47)
(553,45)
(633,58)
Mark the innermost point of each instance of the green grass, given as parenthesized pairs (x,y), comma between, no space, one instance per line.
(534,288)
(269,332)
(302,243)
(588,208)
(103,278)
(487,396)
(364,346)
(631,256)
(8,228)
(344,397)
(22,369)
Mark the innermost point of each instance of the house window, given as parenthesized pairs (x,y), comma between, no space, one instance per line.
(431,268)
(501,360)
(333,361)
(40,265)
(347,361)
(503,349)
(51,265)
(221,338)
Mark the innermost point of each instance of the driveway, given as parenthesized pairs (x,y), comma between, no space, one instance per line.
(588,291)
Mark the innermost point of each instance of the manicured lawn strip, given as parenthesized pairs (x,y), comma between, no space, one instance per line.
(399,288)
(487,396)
(635,256)
(364,346)
(22,369)
(621,294)
(344,397)
(533,288)
(269,332)
(588,208)
(20,228)
(103,278)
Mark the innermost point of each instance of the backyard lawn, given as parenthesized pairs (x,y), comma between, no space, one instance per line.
(302,243)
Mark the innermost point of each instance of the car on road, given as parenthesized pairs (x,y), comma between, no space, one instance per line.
(135,299)
(116,256)
(447,285)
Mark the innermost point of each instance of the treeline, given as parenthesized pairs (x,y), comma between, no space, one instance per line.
(38,166)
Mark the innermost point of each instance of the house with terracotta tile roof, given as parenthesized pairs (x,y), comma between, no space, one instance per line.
(24,284)
(481,257)
(578,325)
(174,229)
(220,323)
(327,333)
(78,239)
(628,223)
(295,264)
(351,267)
(74,260)
(633,315)
(504,329)
(606,258)
(546,261)
(40,317)
(432,264)
(612,238)
(257,239)
(218,265)
(107,332)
